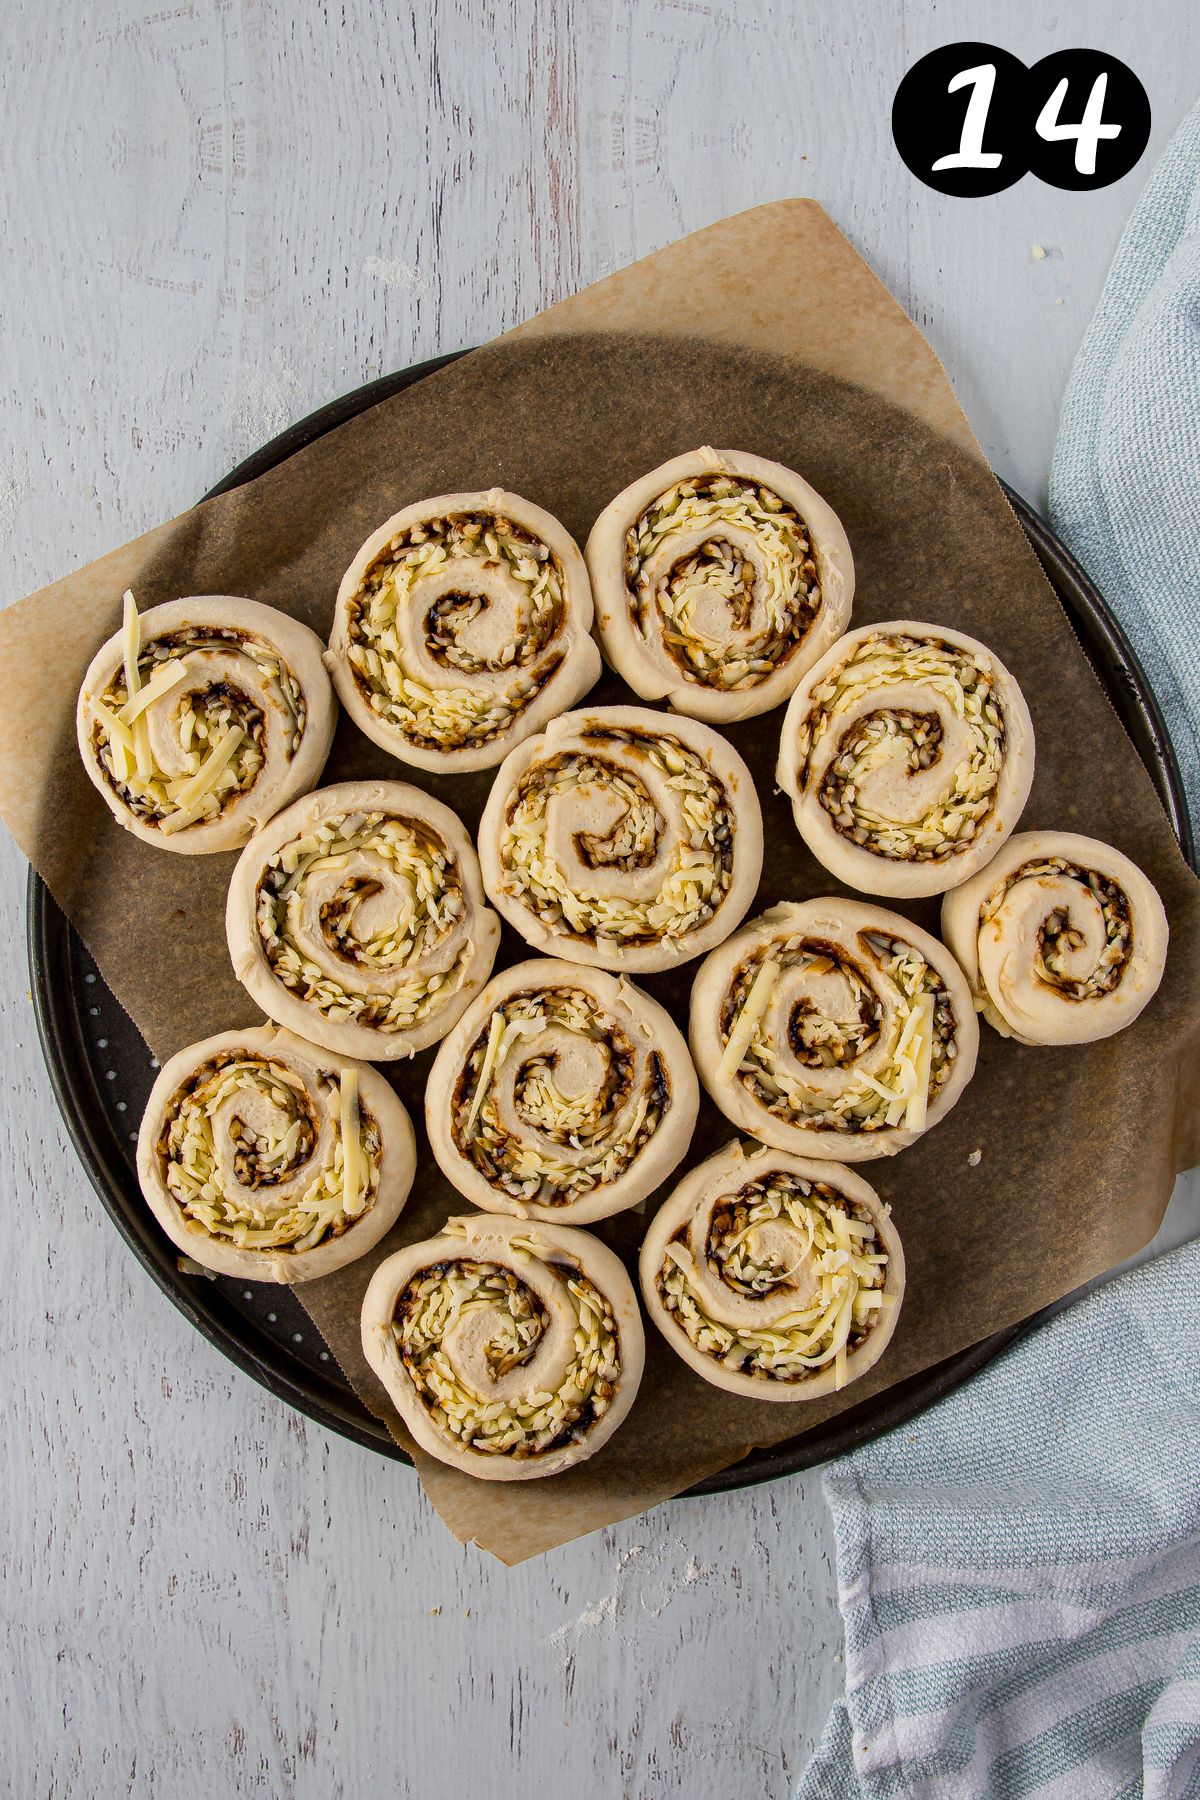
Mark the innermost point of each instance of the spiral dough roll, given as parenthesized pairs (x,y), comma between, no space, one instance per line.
(622,839)
(461,627)
(774,1277)
(357,919)
(511,1350)
(907,752)
(202,718)
(562,1093)
(719,578)
(1063,939)
(831,1028)
(265,1158)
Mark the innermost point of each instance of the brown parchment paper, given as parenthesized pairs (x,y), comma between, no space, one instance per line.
(766,333)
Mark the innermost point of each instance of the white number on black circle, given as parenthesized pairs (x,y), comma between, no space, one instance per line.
(1087,133)
(971,153)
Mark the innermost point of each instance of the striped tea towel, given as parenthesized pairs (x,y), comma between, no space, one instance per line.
(1125,487)
(1019,1569)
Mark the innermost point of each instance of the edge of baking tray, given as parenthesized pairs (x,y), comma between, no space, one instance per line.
(1115,661)
(48,933)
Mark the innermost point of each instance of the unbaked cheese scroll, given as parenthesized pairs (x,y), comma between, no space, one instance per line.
(907,752)
(831,1028)
(202,718)
(1063,939)
(774,1277)
(718,579)
(562,1093)
(622,838)
(357,919)
(268,1159)
(511,1349)
(461,627)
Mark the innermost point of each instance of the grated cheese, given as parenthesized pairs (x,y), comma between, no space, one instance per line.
(753,1008)
(131,642)
(920,1061)
(141,751)
(351,1141)
(117,729)
(169,675)
(495,1034)
(205,778)
(120,740)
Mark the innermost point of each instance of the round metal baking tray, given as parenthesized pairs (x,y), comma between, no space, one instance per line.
(102,1071)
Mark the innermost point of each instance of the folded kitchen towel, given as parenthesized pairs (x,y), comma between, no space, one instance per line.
(1019,1569)
(1125,487)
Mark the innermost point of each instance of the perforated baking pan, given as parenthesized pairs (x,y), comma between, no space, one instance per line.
(102,1070)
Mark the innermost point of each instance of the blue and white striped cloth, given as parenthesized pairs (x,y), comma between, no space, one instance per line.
(1019,1570)
(1125,487)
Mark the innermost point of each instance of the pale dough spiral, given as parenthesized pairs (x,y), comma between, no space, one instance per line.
(511,1350)
(357,919)
(719,578)
(268,1159)
(773,1277)
(202,718)
(907,752)
(832,1028)
(622,838)
(461,627)
(562,1093)
(1063,939)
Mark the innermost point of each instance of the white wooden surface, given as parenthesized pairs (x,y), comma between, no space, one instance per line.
(218,215)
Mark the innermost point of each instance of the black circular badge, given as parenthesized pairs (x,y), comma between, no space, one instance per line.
(970,119)
(1091,119)
(961,121)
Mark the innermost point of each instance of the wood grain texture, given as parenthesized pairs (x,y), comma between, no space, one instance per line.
(219,215)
